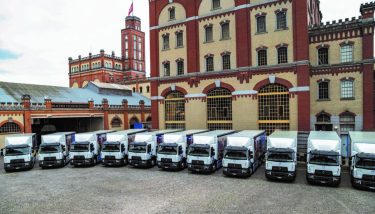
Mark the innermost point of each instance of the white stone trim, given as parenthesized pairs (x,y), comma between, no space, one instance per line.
(299,88)
(157,98)
(245,92)
(201,95)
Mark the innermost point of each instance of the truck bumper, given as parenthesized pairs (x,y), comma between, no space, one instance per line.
(82,162)
(200,168)
(236,172)
(140,163)
(318,179)
(54,163)
(113,162)
(17,166)
(363,184)
(169,165)
(277,175)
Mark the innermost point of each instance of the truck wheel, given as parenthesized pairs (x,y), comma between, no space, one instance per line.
(94,161)
(152,162)
(62,162)
(214,167)
(125,161)
(183,165)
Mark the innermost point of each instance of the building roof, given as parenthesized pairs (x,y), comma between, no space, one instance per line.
(12,92)
(110,86)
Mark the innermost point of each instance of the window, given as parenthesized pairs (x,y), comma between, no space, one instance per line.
(172,14)
(323,56)
(323,90)
(262,57)
(323,118)
(116,122)
(282,55)
(210,63)
(10,127)
(140,90)
(226,62)
(133,89)
(148,89)
(281,20)
(347,122)
(346,53)
(165,42)
(167,69)
(140,67)
(180,67)
(219,109)
(225,31)
(209,36)
(261,24)
(179,40)
(347,89)
(174,104)
(215,4)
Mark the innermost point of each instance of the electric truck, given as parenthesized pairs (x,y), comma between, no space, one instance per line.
(115,148)
(324,158)
(244,153)
(54,149)
(85,151)
(206,152)
(172,152)
(281,157)
(20,152)
(362,169)
(142,152)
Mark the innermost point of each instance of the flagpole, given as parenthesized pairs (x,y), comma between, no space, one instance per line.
(133,8)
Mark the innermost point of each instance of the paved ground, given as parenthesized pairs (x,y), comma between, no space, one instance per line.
(128,190)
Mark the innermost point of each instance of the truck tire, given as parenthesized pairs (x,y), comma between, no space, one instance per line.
(125,161)
(214,167)
(152,162)
(94,161)
(63,162)
(183,165)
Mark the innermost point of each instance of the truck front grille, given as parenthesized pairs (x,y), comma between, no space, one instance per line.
(49,158)
(109,157)
(323,173)
(17,161)
(136,158)
(234,166)
(79,157)
(369,177)
(197,162)
(280,169)
(166,160)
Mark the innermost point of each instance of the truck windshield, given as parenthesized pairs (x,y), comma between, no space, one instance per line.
(329,160)
(280,156)
(199,151)
(111,147)
(137,148)
(235,154)
(80,147)
(167,150)
(12,151)
(50,148)
(365,163)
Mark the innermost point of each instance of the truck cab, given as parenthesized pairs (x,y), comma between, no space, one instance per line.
(281,157)
(244,153)
(172,152)
(20,152)
(142,152)
(362,167)
(54,149)
(85,151)
(115,148)
(206,152)
(324,158)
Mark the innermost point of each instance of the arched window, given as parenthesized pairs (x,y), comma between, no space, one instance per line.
(323,118)
(148,89)
(323,122)
(140,90)
(116,122)
(132,122)
(273,107)
(219,109)
(133,89)
(10,127)
(347,122)
(174,104)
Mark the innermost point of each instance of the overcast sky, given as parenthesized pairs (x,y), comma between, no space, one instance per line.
(38,36)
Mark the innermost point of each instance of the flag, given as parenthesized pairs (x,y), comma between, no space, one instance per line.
(130,9)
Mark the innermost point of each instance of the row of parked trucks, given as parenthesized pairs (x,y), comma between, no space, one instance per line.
(239,153)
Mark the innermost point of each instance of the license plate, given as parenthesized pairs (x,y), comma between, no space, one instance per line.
(78,163)
(234,173)
(136,164)
(323,182)
(50,165)
(279,177)
(18,167)
(109,163)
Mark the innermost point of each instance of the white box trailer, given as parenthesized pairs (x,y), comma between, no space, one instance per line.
(281,158)
(20,152)
(54,149)
(244,152)
(142,152)
(115,148)
(324,158)
(206,153)
(87,147)
(172,153)
(362,168)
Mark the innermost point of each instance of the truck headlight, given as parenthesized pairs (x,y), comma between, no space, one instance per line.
(27,163)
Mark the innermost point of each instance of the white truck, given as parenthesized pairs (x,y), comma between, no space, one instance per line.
(324,158)
(206,153)
(115,149)
(20,152)
(54,149)
(172,152)
(244,153)
(85,151)
(142,152)
(362,169)
(281,157)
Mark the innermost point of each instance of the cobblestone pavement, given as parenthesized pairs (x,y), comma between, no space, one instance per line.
(128,190)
